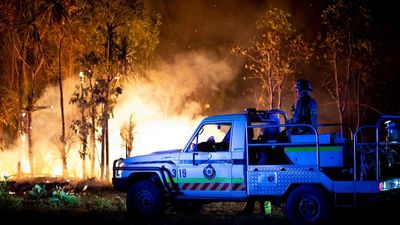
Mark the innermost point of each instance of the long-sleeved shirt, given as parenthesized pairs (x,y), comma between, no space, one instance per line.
(305,112)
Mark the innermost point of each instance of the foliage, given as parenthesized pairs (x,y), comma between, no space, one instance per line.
(131,35)
(127,134)
(116,32)
(84,98)
(38,192)
(8,106)
(272,57)
(39,40)
(81,126)
(8,201)
(61,198)
(348,55)
(65,147)
(104,204)
(63,144)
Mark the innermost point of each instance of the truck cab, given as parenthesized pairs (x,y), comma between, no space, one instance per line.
(257,155)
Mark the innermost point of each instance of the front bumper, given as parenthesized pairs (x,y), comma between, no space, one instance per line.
(119,182)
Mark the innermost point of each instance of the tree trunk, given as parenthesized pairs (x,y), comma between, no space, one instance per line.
(84,151)
(61,94)
(62,138)
(92,132)
(84,137)
(21,131)
(84,164)
(110,38)
(30,145)
(107,153)
(358,98)
(93,141)
(103,131)
(64,161)
(338,96)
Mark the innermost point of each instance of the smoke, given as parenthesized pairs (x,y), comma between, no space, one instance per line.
(195,40)
(164,107)
(218,25)
(47,126)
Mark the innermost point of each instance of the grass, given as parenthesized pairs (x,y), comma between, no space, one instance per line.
(100,204)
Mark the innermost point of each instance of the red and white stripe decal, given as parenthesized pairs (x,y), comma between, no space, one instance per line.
(213,186)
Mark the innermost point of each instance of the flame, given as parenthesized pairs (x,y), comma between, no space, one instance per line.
(165,117)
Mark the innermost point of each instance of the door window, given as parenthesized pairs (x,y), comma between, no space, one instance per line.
(212,138)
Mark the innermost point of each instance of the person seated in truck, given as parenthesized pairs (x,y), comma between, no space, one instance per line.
(305,111)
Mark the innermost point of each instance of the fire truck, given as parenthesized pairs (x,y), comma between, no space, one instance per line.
(257,155)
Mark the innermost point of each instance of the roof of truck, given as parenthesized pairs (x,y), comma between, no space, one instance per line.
(252,114)
(224,117)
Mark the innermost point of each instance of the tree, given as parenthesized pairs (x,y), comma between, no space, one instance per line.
(347,52)
(272,56)
(64,145)
(127,134)
(85,98)
(112,26)
(29,59)
(82,127)
(8,112)
(8,93)
(56,15)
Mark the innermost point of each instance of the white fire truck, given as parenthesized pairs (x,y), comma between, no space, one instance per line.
(237,157)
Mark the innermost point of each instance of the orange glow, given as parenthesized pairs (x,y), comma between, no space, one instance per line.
(164,117)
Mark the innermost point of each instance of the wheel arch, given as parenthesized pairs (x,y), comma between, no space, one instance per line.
(307,204)
(148,175)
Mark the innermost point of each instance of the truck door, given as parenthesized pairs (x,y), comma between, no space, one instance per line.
(205,166)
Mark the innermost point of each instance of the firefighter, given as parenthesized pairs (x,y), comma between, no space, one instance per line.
(305,111)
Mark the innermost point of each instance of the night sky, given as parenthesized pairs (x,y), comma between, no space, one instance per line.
(217,25)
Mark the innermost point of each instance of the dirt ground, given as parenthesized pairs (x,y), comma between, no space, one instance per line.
(101,205)
(215,213)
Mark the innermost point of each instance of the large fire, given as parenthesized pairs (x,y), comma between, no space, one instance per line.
(164,117)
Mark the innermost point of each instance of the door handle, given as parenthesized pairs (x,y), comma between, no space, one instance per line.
(194,158)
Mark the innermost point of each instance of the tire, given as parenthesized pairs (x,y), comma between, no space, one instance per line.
(144,199)
(307,204)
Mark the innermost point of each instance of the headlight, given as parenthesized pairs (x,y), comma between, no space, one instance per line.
(389,184)
(118,167)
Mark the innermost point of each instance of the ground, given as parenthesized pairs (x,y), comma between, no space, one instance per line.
(99,204)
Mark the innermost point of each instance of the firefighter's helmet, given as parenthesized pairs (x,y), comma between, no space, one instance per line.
(303,85)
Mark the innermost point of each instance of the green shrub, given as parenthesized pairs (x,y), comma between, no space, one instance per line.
(67,199)
(8,201)
(38,192)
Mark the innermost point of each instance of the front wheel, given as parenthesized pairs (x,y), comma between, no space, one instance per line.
(307,204)
(144,199)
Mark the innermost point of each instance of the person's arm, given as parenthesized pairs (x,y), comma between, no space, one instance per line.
(297,113)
